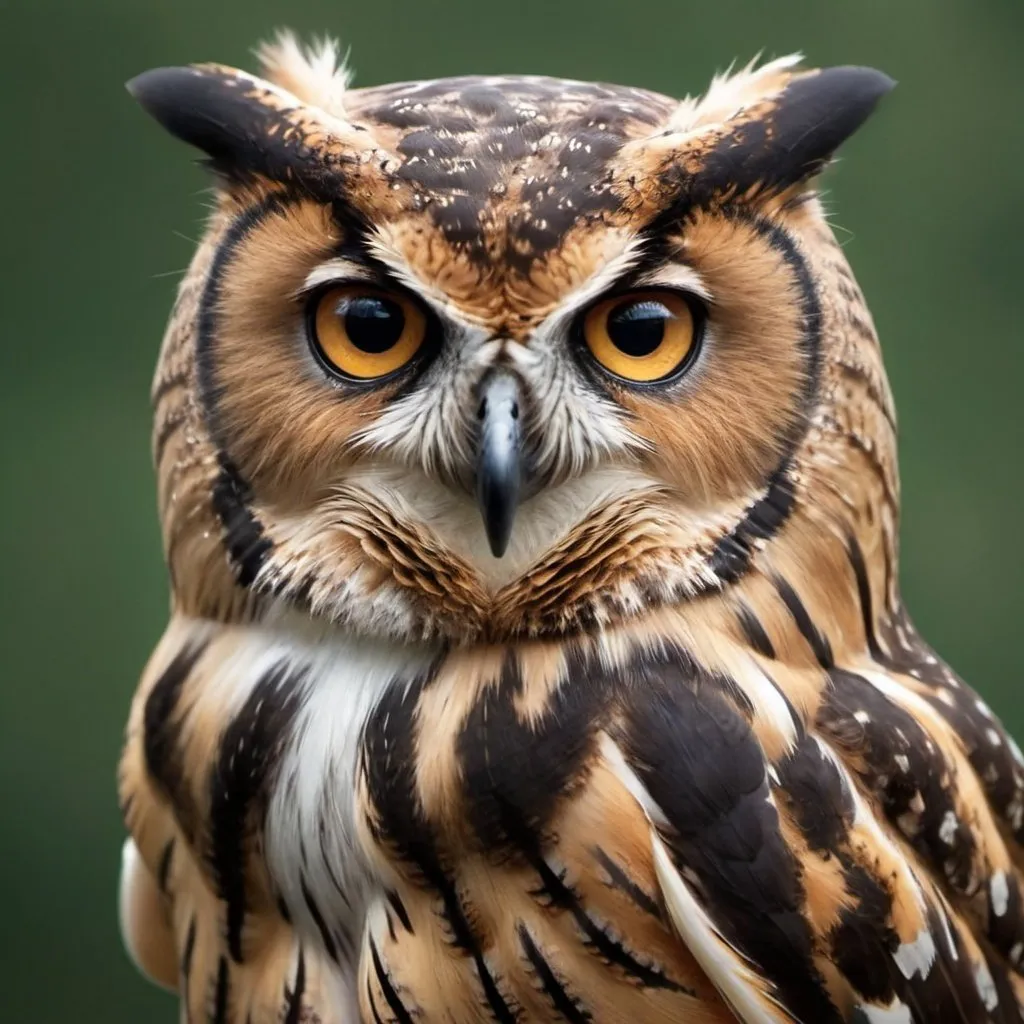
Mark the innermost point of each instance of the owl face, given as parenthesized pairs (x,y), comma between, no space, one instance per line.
(491,356)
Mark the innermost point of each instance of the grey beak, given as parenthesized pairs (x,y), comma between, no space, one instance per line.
(499,459)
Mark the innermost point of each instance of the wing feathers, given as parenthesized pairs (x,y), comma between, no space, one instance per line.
(742,987)
(689,740)
(740,847)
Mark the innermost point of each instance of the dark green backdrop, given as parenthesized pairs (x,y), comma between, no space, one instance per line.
(98,209)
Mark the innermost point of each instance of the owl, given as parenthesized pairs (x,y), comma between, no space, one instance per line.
(528,488)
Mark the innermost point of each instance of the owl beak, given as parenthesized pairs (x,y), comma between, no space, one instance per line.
(499,458)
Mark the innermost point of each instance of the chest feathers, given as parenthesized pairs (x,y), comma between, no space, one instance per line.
(468,831)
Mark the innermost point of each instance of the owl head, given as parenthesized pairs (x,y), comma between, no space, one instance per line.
(488,357)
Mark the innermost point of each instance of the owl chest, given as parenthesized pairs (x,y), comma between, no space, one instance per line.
(469,761)
(315,832)
(413,764)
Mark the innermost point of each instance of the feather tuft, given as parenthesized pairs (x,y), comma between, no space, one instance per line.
(317,72)
(731,91)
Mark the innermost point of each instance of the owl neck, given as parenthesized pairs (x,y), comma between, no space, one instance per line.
(808,565)
(804,582)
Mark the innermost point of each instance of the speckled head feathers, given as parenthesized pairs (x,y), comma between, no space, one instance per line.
(508,165)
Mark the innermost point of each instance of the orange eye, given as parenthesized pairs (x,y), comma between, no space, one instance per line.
(643,336)
(364,332)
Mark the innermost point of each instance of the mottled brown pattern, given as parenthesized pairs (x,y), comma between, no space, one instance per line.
(506,166)
(681,755)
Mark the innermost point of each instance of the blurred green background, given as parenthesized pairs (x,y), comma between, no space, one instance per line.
(99,212)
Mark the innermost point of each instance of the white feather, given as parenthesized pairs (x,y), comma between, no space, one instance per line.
(738,983)
(917,956)
(730,91)
(346,677)
(895,1013)
(727,968)
(616,761)
(999,890)
(768,702)
(316,73)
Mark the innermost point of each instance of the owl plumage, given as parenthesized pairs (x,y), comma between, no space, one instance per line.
(528,487)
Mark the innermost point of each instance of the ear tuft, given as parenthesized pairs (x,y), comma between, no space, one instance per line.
(248,126)
(818,111)
(317,74)
(782,126)
(228,114)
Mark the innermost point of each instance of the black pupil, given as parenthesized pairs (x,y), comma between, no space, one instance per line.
(373,324)
(637,328)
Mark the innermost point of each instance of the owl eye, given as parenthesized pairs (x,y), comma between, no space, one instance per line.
(364,333)
(642,337)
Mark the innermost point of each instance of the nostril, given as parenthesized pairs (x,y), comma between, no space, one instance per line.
(515,410)
(482,411)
